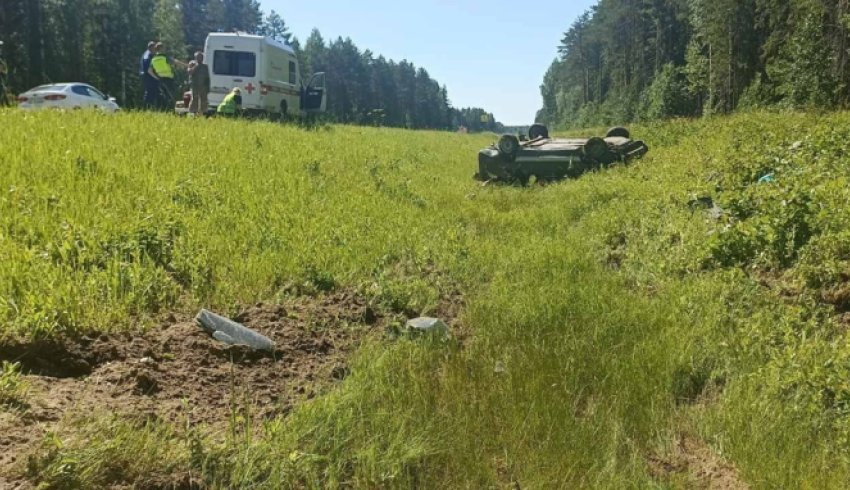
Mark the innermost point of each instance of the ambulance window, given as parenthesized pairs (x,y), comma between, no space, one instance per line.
(235,63)
(293,73)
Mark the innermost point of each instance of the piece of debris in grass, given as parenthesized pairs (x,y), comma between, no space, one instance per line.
(715,212)
(427,325)
(500,368)
(230,332)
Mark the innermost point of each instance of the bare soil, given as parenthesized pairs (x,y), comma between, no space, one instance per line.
(693,464)
(179,373)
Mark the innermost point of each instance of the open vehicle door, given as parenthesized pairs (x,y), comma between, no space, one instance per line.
(313,95)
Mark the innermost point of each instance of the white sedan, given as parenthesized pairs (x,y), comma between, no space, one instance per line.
(66,96)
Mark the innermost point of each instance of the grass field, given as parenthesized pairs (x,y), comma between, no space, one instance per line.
(674,323)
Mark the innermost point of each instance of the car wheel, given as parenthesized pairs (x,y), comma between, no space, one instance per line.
(538,131)
(596,149)
(618,132)
(508,145)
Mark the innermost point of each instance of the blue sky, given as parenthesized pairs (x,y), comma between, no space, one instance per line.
(490,54)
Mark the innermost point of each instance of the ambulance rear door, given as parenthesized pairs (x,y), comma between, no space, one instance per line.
(234,61)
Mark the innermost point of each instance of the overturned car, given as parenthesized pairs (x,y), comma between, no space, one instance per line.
(546,158)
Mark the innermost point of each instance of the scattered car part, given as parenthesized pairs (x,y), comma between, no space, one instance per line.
(715,212)
(548,158)
(499,368)
(230,332)
(428,325)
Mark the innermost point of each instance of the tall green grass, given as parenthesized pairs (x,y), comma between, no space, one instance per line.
(608,314)
(107,220)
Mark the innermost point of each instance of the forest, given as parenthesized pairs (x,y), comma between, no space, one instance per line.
(100,42)
(642,60)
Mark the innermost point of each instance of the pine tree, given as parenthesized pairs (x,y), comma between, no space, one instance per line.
(242,15)
(315,53)
(199,19)
(168,25)
(274,27)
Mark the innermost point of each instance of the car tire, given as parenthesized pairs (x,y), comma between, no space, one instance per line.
(618,132)
(508,145)
(538,131)
(596,149)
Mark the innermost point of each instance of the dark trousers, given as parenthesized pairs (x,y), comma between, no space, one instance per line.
(4,97)
(200,100)
(166,93)
(151,97)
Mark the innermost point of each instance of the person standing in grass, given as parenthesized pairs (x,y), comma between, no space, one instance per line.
(150,84)
(4,72)
(199,80)
(232,103)
(162,70)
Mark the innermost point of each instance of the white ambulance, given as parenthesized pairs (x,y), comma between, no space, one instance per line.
(266,70)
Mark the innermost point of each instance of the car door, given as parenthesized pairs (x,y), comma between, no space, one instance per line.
(100,100)
(83,98)
(313,96)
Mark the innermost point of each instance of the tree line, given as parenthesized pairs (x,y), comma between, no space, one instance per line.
(632,60)
(365,88)
(100,42)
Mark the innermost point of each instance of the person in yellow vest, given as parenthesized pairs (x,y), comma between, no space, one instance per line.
(162,69)
(232,103)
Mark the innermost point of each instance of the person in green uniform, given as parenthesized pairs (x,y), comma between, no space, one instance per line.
(232,103)
(162,69)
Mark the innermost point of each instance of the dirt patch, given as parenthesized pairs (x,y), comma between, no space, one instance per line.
(61,359)
(505,475)
(693,464)
(177,372)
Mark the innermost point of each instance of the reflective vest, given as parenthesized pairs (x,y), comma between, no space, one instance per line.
(228,105)
(161,67)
